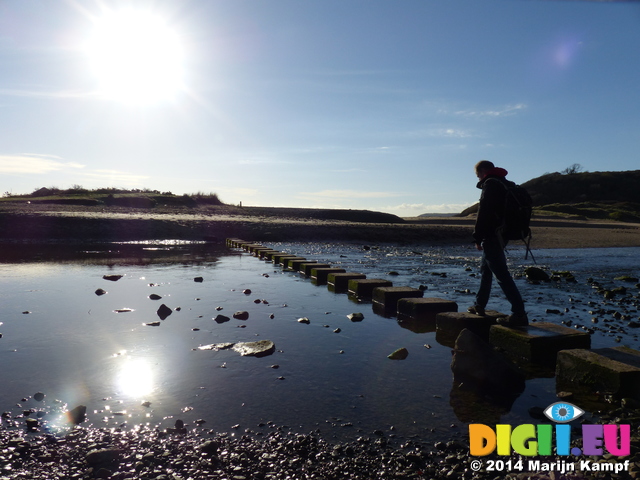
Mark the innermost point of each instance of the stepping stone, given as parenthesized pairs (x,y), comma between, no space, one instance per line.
(295,264)
(286,261)
(364,288)
(450,324)
(612,370)
(319,275)
(424,308)
(269,254)
(249,246)
(264,254)
(279,257)
(339,282)
(307,267)
(537,343)
(388,297)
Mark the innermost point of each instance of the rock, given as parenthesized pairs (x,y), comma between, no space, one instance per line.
(153,296)
(198,279)
(475,362)
(261,348)
(210,447)
(38,397)
(77,415)
(221,319)
(217,346)
(399,354)
(123,310)
(242,315)
(355,317)
(32,424)
(304,320)
(535,274)
(164,311)
(152,324)
(112,278)
(104,456)
(247,291)
(100,291)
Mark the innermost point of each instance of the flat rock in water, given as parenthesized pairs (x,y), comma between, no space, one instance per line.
(217,346)
(260,348)
(399,354)
(241,315)
(113,278)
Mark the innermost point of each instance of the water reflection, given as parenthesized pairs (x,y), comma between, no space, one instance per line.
(135,377)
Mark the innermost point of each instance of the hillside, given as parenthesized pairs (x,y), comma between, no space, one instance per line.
(592,195)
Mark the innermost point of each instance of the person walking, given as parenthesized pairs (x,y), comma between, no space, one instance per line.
(493,183)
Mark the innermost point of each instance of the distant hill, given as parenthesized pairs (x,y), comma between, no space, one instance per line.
(597,195)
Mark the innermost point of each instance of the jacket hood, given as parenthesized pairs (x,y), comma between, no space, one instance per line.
(494,172)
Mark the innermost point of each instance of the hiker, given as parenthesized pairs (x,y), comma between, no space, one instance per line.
(491,243)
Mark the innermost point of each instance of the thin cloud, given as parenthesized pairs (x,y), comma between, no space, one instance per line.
(346,194)
(114,177)
(505,111)
(34,164)
(414,209)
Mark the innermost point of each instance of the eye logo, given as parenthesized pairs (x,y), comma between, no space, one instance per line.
(562,412)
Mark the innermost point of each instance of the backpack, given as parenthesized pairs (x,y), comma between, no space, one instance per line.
(518,207)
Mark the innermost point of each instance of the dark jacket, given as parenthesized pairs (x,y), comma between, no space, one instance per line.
(491,208)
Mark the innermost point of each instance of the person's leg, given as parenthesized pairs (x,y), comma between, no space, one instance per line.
(497,263)
(486,278)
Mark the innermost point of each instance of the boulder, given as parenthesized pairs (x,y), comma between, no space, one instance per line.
(535,274)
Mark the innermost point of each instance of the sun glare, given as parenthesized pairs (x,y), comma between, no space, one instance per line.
(136,57)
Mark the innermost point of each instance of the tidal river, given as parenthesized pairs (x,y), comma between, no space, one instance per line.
(84,326)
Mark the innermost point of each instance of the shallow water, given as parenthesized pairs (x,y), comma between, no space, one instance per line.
(62,339)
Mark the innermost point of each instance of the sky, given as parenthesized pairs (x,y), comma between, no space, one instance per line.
(360,104)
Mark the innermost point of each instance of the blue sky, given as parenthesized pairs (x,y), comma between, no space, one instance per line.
(364,104)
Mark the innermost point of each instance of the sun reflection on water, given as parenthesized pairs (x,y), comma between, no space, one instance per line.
(135,377)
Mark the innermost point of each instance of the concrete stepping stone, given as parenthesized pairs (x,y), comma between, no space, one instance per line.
(613,370)
(539,342)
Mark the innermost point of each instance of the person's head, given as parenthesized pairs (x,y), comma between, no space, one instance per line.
(483,167)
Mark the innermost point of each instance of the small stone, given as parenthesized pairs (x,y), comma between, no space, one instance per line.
(100,291)
(38,397)
(242,315)
(198,279)
(337,330)
(399,354)
(221,319)
(153,296)
(164,311)
(247,291)
(355,317)
(304,320)
(112,278)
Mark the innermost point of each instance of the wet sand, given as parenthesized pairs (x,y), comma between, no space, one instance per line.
(46,223)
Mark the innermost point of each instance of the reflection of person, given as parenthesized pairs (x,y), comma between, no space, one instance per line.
(491,244)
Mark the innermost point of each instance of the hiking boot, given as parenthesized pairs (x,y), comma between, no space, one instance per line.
(514,320)
(476,310)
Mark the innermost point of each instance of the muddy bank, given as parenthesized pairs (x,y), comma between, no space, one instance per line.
(46,223)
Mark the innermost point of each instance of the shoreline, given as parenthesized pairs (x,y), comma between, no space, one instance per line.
(46,224)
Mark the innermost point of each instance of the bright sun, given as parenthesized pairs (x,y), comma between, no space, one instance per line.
(136,57)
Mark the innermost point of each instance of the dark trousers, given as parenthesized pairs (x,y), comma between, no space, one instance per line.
(493,263)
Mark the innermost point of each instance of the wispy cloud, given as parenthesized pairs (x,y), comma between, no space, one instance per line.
(341,194)
(114,177)
(414,209)
(34,164)
(506,111)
